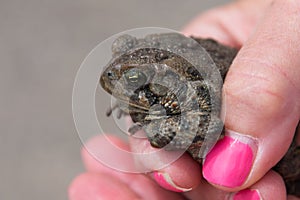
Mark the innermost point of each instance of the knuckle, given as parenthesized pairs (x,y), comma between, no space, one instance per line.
(258,93)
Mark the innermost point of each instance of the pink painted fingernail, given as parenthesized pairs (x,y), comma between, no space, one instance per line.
(165,181)
(230,161)
(247,195)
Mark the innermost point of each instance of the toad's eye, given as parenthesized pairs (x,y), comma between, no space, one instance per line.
(135,77)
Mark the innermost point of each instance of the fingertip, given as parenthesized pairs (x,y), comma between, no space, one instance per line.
(181,176)
(235,153)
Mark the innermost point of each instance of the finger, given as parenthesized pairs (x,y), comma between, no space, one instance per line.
(206,191)
(187,180)
(271,186)
(91,186)
(262,91)
(106,151)
(139,184)
(231,24)
(167,166)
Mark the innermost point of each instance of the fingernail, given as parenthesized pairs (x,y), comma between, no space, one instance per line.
(247,195)
(165,181)
(230,161)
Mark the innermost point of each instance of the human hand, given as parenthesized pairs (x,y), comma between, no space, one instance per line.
(262,110)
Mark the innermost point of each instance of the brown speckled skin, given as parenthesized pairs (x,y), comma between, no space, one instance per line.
(161,131)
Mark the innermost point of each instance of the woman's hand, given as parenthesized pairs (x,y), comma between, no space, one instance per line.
(262,92)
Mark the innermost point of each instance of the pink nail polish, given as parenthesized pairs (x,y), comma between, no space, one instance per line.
(230,161)
(165,181)
(247,195)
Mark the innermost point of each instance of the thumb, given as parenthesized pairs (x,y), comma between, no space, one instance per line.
(262,91)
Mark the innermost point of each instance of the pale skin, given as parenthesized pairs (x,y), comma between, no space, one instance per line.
(266,68)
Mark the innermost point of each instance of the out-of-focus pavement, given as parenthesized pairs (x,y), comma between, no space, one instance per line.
(42,44)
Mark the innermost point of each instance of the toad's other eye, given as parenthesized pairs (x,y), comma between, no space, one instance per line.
(135,77)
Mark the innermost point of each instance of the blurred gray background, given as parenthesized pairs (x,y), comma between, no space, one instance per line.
(42,44)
